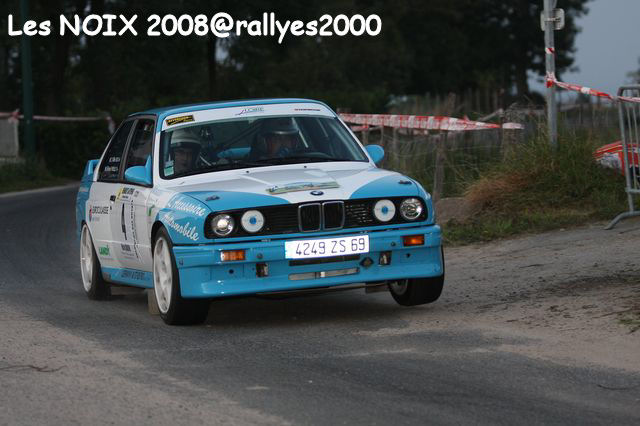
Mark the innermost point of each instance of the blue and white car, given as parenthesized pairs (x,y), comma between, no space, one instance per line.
(255,197)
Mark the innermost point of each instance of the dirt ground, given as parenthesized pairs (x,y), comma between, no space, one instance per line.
(575,292)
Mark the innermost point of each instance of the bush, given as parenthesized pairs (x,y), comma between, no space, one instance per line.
(538,188)
(16,177)
(65,148)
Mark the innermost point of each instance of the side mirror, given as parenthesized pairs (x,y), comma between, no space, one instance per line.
(376,152)
(91,166)
(139,174)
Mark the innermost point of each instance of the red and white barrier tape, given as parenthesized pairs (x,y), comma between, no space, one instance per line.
(552,80)
(427,122)
(15,115)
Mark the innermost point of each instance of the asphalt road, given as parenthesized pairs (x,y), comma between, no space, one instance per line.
(344,358)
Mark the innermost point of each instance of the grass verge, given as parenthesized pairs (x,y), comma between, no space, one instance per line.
(537,188)
(23,176)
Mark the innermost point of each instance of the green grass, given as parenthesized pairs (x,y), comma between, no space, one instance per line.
(632,321)
(537,188)
(22,176)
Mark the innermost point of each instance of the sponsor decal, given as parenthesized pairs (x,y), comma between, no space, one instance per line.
(134,230)
(134,275)
(187,207)
(180,120)
(251,110)
(125,193)
(103,251)
(114,159)
(186,230)
(301,186)
(96,211)
(128,251)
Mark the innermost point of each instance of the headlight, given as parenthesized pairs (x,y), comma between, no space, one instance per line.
(222,225)
(384,210)
(411,208)
(252,221)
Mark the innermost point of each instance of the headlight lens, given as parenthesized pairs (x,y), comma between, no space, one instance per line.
(252,221)
(411,208)
(222,225)
(384,210)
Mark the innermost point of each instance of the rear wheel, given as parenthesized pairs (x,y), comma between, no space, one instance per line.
(94,285)
(174,309)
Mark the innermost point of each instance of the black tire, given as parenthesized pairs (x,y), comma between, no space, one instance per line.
(418,291)
(180,311)
(98,288)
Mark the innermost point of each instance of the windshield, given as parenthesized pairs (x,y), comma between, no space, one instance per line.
(251,142)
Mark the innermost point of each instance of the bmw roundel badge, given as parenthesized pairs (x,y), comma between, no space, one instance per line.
(317,193)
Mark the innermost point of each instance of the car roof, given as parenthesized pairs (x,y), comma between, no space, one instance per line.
(177,109)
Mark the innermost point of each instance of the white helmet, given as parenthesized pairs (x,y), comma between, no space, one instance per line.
(183,138)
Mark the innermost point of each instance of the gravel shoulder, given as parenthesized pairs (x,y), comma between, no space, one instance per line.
(575,293)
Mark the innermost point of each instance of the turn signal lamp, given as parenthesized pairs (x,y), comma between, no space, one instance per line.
(413,240)
(232,255)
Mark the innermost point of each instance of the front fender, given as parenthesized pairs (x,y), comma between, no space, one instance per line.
(184,218)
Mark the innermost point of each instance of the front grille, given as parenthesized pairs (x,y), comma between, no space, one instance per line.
(358,213)
(310,217)
(333,214)
(281,220)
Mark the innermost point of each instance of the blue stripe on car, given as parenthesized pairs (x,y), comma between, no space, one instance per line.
(83,194)
(127,276)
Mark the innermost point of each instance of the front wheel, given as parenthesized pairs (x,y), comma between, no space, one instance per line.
(174,309)
(417,291)
(94,285)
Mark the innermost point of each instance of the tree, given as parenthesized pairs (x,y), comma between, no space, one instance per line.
(425,46)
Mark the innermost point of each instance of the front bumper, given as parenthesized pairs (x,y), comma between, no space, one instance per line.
(202,274)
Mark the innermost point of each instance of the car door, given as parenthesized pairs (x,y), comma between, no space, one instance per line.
(102,193)
(130,231)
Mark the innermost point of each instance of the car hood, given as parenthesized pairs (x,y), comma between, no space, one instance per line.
(296,185)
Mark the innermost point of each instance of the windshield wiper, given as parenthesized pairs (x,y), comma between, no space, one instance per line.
(301,159)
(237,165)
(220,167)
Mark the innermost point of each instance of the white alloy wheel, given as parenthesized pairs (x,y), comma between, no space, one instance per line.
(162,274)
(86,258)
(399,287)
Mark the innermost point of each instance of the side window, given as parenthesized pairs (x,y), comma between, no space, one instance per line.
(110,167)
(141,143)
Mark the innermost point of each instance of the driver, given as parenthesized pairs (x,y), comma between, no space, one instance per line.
(280,137)
(185,147)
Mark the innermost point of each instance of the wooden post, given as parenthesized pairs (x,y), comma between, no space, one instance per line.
(394,147)
(438,177)
(512,137)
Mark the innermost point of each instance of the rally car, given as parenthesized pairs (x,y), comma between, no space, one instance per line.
(253,197)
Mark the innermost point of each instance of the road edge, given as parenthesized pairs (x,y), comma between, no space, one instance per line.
(39,190)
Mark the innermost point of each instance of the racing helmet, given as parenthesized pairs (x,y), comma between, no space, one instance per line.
(183,138)
(277,136)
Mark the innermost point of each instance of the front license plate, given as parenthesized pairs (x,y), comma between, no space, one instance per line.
(326,247)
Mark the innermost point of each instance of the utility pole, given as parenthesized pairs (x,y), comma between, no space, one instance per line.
(27,85)
(552,112)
